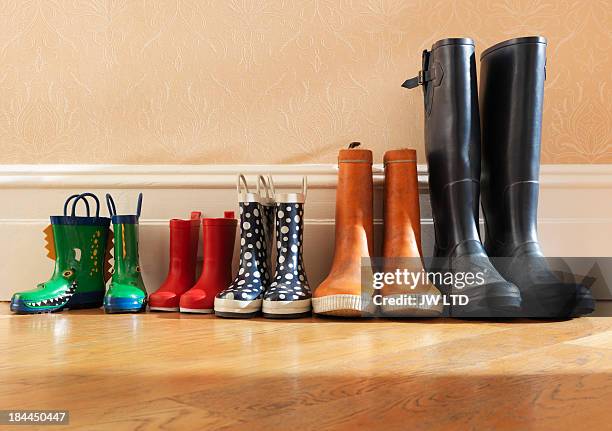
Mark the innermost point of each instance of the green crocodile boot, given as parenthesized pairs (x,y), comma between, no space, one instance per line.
(127,293)
(78,245)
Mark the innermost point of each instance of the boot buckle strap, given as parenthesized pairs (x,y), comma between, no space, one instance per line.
(422,77)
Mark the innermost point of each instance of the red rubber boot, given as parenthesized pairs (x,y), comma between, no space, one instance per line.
(182,269)
(218,237)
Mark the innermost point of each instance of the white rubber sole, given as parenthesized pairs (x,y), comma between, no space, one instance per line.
(287,307)
(197,310)
(164,309)
(237,306)
(419,309)
(343,305)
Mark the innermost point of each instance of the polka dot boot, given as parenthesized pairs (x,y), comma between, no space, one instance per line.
(289,295)
(243,297)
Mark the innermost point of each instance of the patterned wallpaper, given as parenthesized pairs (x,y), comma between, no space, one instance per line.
(271,81)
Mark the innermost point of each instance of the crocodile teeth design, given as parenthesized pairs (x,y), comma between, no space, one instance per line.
(57,301)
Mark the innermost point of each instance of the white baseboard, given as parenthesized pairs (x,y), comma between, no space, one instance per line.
(575,210)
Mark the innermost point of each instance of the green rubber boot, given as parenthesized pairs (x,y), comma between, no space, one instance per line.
(78,245)
(127,293)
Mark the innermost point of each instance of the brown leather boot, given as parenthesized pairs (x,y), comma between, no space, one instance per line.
(412,295)
(340,294)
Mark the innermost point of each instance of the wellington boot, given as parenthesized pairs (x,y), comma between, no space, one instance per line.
(79,247)
(218,237)
(512,93)
(402,242)
(452,144)
(126,293)
(182,268)
(242,298)
(341,293)
(289,295)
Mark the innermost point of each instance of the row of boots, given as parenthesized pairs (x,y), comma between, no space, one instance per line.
(494,146)
(268,220)
(347,289)
(82,248)
(180,291)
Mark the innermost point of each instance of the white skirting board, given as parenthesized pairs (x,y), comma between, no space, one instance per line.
(575,212)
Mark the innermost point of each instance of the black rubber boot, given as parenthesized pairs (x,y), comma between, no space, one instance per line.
(452,142)
(512,77)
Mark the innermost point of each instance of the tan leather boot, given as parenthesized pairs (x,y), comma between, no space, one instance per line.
(340,294)
(413,295)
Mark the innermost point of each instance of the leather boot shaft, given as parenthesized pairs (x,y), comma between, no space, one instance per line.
(512,77)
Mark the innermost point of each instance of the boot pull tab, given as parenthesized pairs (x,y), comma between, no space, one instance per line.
(196,215)
(71,197)
(353,145)
(242,180)
(139,205)
(84,196)
(110,203)
(78,198)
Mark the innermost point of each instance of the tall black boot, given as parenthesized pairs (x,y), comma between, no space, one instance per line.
(452,142)
(512,77)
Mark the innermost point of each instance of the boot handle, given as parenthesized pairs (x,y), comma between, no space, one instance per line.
(84,196)
(242,179)
(68,202)
(112,209)
(304,185)
(268,186)
(271,183)
(139,205)
(110,203)
(260,180)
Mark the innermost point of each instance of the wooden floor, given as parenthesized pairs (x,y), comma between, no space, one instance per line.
(172,371)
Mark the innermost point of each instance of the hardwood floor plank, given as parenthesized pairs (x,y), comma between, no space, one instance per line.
(601,340)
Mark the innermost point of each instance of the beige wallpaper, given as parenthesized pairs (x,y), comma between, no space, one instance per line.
(271,81)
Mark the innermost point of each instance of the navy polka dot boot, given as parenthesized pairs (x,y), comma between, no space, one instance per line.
(242,298)
(289,295)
